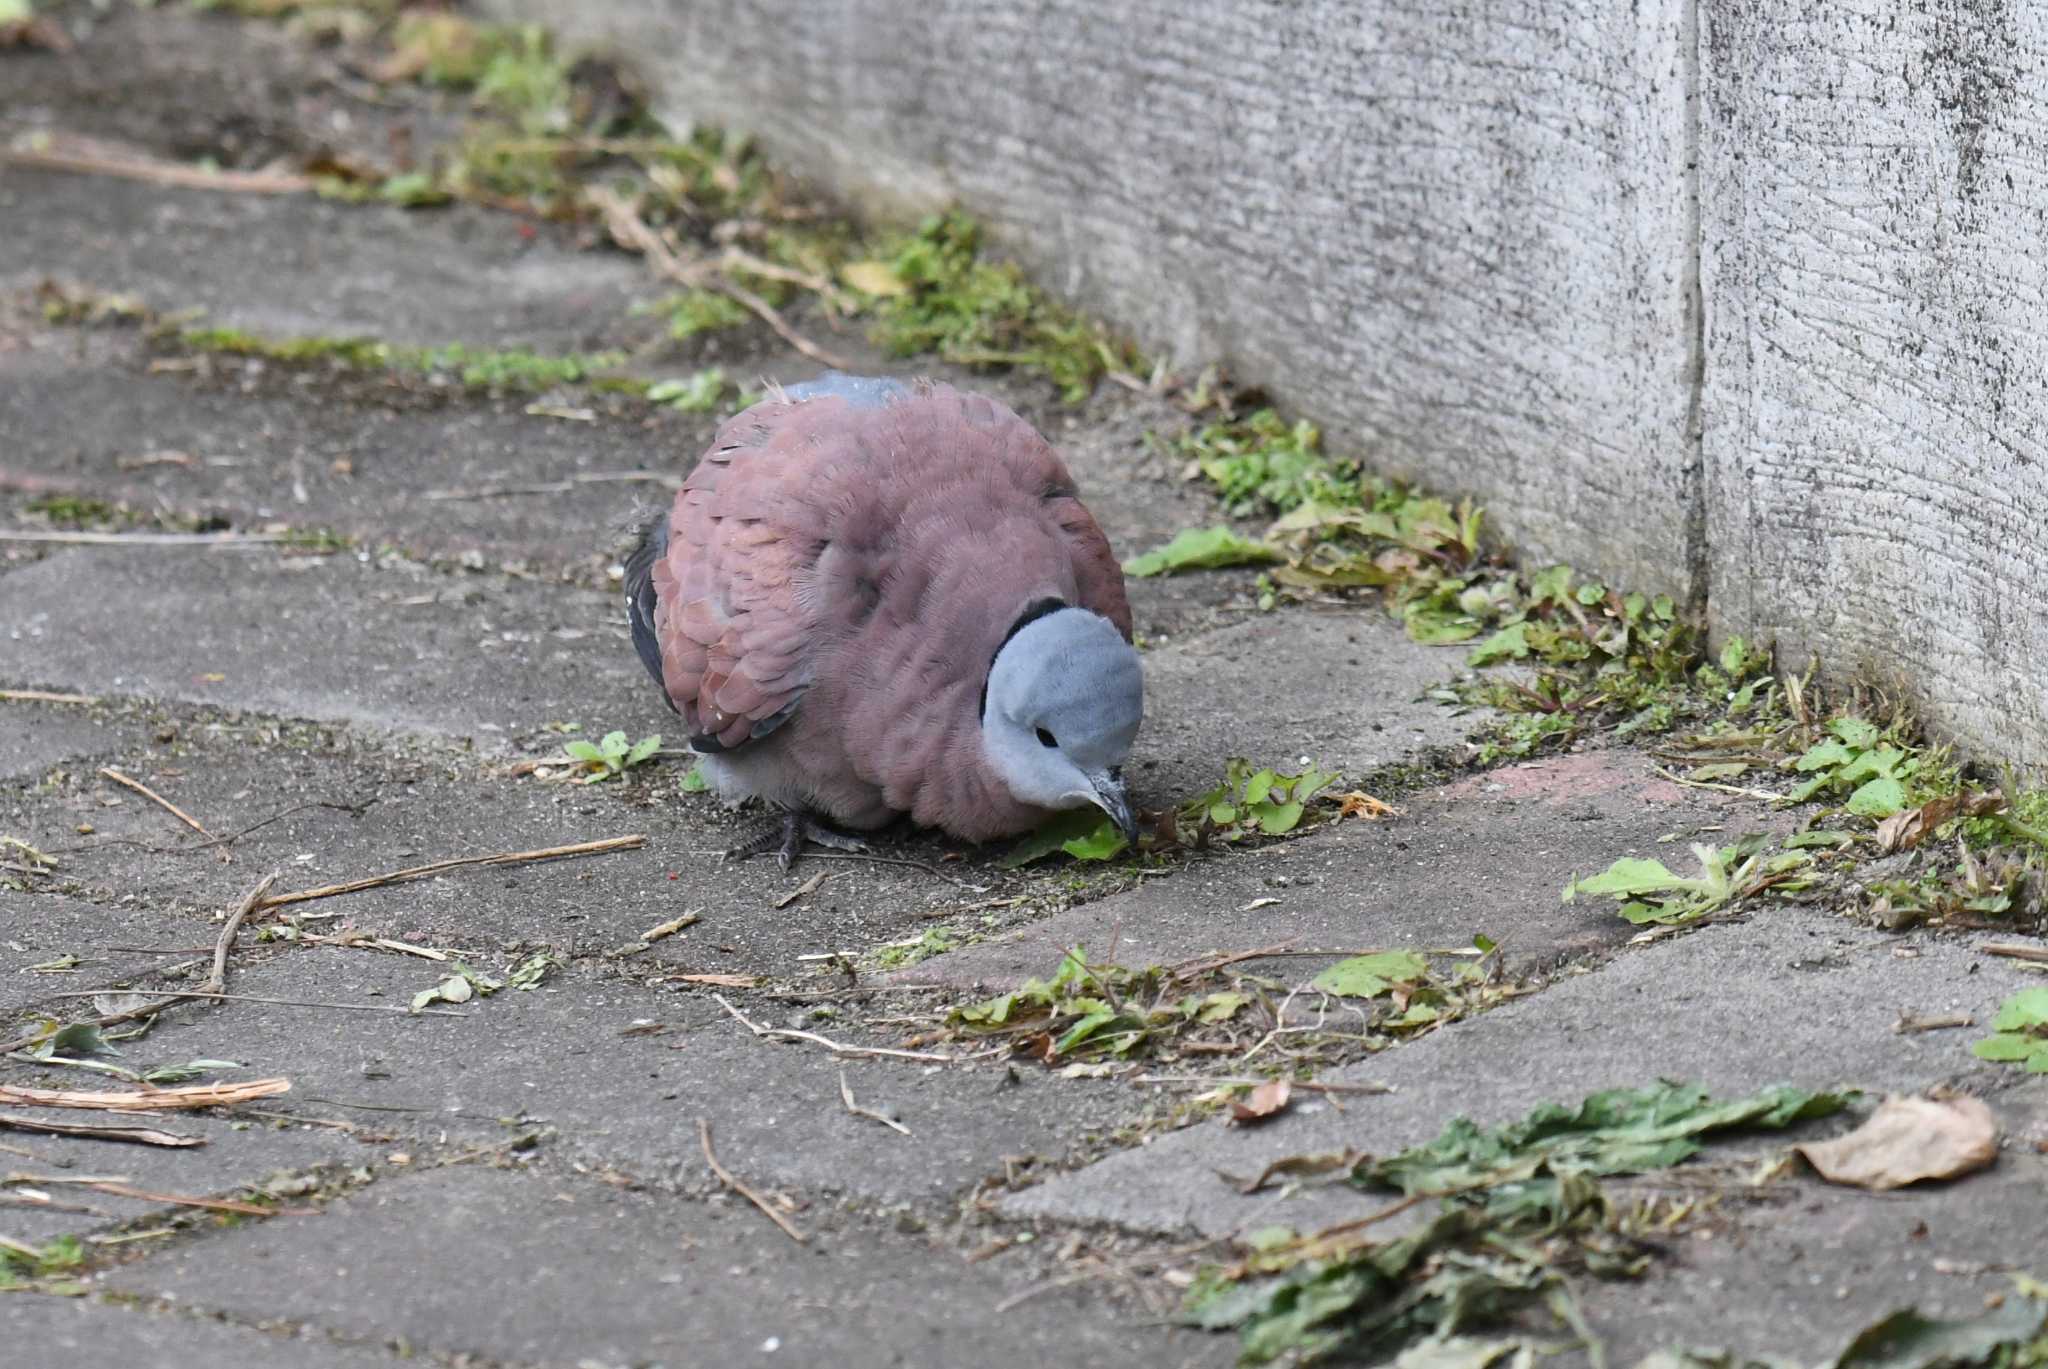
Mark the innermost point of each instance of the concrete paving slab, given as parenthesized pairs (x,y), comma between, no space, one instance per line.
(555,1057)
(1340,688)
(240,1154)
(604,1276)
(48,930)
(199,84)
(1799,1277)
(292,265)
(436,476)
(1788,996)
(81,1331)
(321,809)
(1488,854)
(34,737)
(329,638)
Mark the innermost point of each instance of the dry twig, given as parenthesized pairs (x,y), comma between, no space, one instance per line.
(2016,951)
(850,1052)
(672,926)
(149,1100)
(725,1177)
(1735,789)
(355,886)
(158,799)
(632,232)
(122,1190)
(217,982)
(93,157)
(43,696)
(846,1096)
(149,1008)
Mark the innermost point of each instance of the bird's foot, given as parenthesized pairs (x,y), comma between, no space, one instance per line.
(786,837)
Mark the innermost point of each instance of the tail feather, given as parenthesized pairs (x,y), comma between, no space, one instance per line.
(640,598)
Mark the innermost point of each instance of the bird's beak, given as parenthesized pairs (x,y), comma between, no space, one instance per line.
(1108,795)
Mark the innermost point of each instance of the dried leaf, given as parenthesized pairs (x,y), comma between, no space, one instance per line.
(139,1135)
(1201,549)
(1359,804)
(1908,1140)
(873,278)
(1300,1167)
(1261,1103)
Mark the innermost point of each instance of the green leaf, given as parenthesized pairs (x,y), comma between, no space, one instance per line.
(1085,1028)
(1277,819)
(1084,833)
(191,1069)
(1434,626)
(1908,1340)
(2024,1010)
(643,748)
(584,751)
(695,782)
(1220,1007)
(1510,643)
(1629,876)
(697,394)
(1368,976)
(614,744)
(529,973)
(1880,798)
(1103,842)
(1201,549)
(1619,1131)
(1734,652)
(1824,755)
(1856,732)
(2006,1046)
(1258,786)
(1801,840)
(80,1040)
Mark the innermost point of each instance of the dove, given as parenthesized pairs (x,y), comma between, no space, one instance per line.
(872,600)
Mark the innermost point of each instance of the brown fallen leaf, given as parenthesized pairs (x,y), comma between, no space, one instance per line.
(1298,1166)
(1261,1103)
(1903,831)
(1359,804)
(1908,1140)
(145,1136)
(720,981)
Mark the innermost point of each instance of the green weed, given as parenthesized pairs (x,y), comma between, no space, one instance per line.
(2021,1032)
(1520,1214)
(476,367)
(612,756)
(943,297)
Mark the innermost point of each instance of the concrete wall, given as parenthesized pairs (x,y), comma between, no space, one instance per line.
(1738,299)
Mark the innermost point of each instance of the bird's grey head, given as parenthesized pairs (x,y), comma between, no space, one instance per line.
(1065,696)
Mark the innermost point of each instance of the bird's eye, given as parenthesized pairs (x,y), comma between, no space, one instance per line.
(1046,738)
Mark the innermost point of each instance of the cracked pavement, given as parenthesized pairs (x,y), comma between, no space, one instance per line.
(523,1184)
